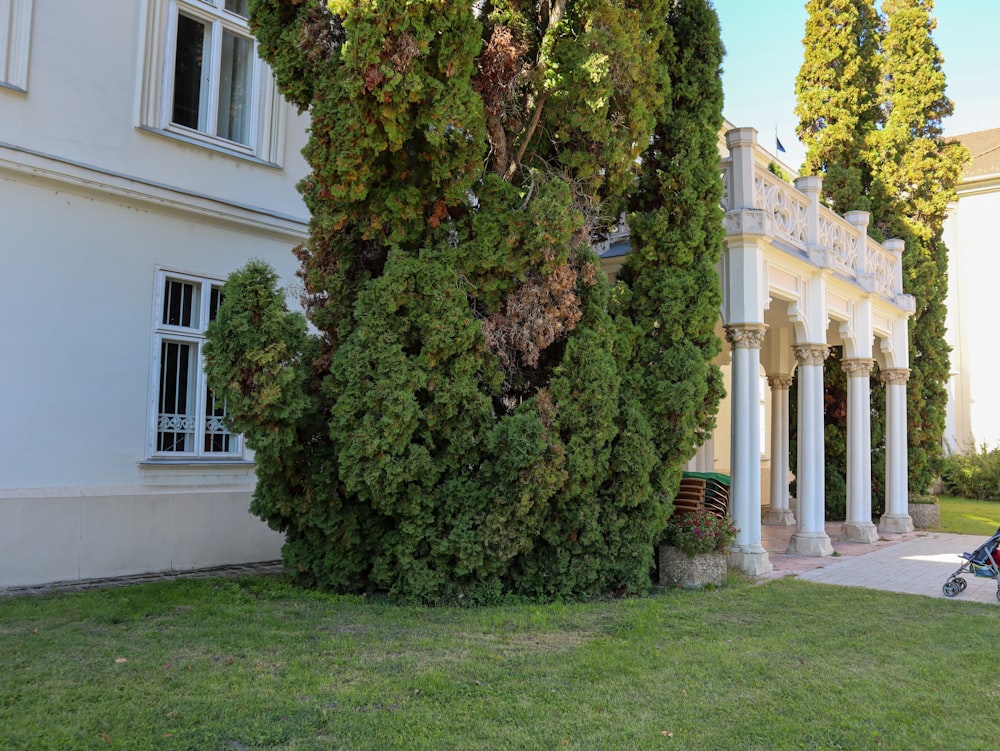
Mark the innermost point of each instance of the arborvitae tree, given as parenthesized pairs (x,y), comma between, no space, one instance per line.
(837,97)
(915,177)
(467,419)
(838,109)
(670,290)
(897,166)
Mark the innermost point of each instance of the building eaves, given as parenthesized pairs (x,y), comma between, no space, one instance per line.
(984,145)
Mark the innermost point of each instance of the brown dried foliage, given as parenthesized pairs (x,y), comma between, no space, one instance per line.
(539,312)
(502,69)
(401,51)
(439,212)
(321,33)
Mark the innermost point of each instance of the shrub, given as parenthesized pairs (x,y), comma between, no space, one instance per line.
(699,532)
(471,411)
(973,475)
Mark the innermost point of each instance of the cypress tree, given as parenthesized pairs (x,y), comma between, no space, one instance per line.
(879,144)
(674,293)
(837,97)
(465,421)
(915,177)
(838,109)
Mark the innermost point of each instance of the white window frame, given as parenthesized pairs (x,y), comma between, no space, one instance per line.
(195,337)
(15,43)
(267,108)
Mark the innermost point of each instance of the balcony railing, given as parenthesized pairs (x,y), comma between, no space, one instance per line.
(797,223)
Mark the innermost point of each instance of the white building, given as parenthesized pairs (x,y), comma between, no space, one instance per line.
(973,266)
(144,155)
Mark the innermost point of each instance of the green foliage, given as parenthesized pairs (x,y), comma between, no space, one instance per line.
(916,173)
(871,102)
(676,221)
(975,474)
(836,97)
(473,415)
(699,532)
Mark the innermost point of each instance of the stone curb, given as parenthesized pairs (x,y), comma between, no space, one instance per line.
(83,585)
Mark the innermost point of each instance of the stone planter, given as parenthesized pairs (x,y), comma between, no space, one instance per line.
(678,570)
(925,515)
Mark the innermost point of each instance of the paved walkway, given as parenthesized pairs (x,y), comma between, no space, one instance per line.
(915,563)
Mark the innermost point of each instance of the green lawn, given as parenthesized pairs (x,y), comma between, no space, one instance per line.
(254,664)
(968,517)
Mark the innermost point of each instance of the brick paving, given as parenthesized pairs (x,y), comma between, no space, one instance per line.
(916,563)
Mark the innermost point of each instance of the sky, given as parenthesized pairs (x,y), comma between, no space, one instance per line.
(763,40)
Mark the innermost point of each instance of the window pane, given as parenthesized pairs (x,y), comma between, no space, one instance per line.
(214,302)
(188,71)
(180,303)
(239,7)
(234,88)
(217,438)
(176,418)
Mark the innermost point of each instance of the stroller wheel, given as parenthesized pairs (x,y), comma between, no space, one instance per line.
(962,583)
(952,588)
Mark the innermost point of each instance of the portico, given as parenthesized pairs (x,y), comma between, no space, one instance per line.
(797,280)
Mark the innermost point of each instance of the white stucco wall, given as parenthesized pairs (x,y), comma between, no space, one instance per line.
(90,205)
(974,266)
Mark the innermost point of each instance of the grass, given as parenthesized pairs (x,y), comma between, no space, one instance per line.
(968,517)
(218,665)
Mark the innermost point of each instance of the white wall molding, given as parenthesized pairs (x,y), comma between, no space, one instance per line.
(130,190)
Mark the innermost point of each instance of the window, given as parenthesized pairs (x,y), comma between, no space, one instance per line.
(204,82)
(187,420)
(15,36)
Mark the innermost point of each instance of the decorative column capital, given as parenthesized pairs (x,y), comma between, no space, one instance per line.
(810,354)
(746,335)
(895,376)
(779,382)
(860,367)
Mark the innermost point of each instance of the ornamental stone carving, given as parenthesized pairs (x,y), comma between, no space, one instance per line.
(858,368)
(895,376)
(746,335)
(779,382)
(810,354)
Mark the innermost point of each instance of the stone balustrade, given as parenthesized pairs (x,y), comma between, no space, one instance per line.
(798,223)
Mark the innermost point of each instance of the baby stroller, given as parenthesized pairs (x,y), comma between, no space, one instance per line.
(984,561)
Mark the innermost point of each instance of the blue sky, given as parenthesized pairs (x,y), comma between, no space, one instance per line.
(763,41)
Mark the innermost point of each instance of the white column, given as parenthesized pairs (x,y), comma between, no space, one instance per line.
(747,553)
(859,526)
(810,537)
(779,514)
(896,518)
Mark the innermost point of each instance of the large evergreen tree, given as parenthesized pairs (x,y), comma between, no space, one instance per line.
(915,177)
(872,126)
(471,416)
(837,97)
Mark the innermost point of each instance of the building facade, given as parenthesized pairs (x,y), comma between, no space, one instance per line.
(144,155)
(973,264)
